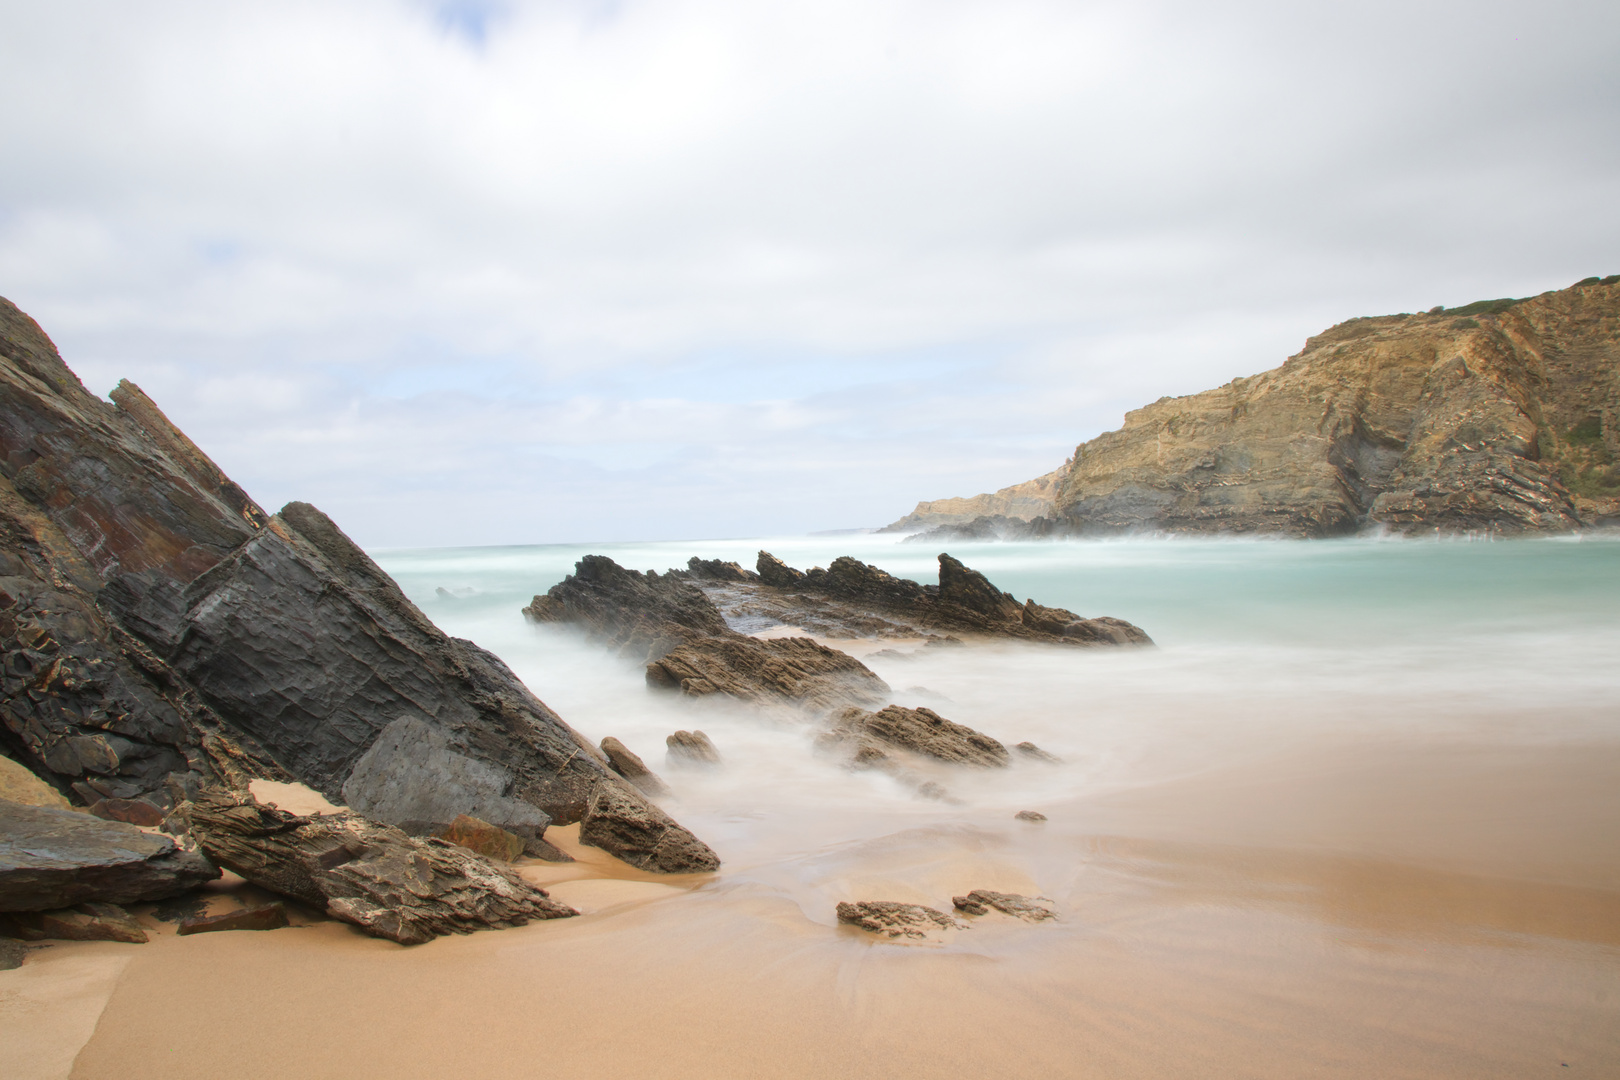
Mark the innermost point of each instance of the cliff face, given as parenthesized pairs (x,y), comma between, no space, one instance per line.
(1501,416)
(160,632)
(1021,502)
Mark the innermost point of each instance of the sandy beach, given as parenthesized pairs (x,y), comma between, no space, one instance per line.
(1393,911)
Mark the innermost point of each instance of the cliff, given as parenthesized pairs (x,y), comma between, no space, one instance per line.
(1021,502)
(1501,416)
(161,633)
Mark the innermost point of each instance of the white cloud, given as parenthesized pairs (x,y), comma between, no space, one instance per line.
(675,268)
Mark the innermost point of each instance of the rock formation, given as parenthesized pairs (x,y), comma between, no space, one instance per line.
(1500,416)
(89,921)
(159,633)
(52,858)
(1020,502)
(388,884)
(891,920)
(627,764)
(983,901)
(869,738)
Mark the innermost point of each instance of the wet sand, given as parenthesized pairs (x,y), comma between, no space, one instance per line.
(1390,910)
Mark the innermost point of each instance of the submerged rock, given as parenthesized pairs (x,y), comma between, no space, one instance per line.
(983,901)
(919,731)
(691,748)
(624,762)
(375,876)
(52,858)
(795,672)
(1029,815)
(892,920)
(1035,753)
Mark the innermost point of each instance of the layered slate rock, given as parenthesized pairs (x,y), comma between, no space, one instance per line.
(1500,416)
(984,901)
(689,647)
(964,601)
(161,633)
(621,821)
(52,858)
(385,882)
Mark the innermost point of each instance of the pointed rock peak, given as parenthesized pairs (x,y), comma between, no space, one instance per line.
(970,589)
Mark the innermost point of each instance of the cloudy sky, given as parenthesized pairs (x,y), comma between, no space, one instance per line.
(579,270)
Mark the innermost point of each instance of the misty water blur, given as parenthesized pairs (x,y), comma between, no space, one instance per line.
(1267,650)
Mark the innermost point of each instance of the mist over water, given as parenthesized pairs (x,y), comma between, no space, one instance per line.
(1264,648)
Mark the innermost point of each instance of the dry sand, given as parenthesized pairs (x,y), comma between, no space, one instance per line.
(1383,911)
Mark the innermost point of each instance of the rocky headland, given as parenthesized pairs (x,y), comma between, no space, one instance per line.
(1501,416)
(164,642)
(697,631)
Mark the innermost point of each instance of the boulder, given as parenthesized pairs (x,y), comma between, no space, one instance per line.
(892,920)
(983,901)
(375,876)
(490,841)
(82,922)
(619,820)
(271,916)
(52,858)
(919,731)
(1035,753)
(632,768)
(795,672)
(691,748)
(18,785)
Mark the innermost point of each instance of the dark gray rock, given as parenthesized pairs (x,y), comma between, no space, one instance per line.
(624,762)
(53,858)
(620,821)
(641,615)
(388,884)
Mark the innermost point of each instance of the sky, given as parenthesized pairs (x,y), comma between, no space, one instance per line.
(565,271)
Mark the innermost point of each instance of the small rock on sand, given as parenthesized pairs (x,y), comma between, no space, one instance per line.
(889,919)
(265,917)
(1030,815)
(982,901)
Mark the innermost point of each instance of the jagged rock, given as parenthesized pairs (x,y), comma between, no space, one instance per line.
(982,901)
(159,632)
(1030,815)
(691,748)
(794,671)
(1500,416)
(271,916)
(619,820)
(51,858)
(889,919)
(964,600)
(82,922)
(776,573)
(643,615)
(490,841)
(715,570)
(375,876)
(920,731)
(632,768)
(1030,750)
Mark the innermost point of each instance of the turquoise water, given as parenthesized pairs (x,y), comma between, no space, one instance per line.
(1263,647)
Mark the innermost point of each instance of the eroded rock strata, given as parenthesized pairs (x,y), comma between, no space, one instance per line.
(160,633)
(1501,416)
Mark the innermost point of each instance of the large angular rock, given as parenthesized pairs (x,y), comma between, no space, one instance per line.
(160,633)
(375,876)
(619,820)
(642,615)
(796,672)
(52,858)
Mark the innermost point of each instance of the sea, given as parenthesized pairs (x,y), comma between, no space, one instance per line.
(1355,812)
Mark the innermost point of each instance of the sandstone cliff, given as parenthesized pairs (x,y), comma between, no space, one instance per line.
(1501,416)
(1021,502)
(159,633)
